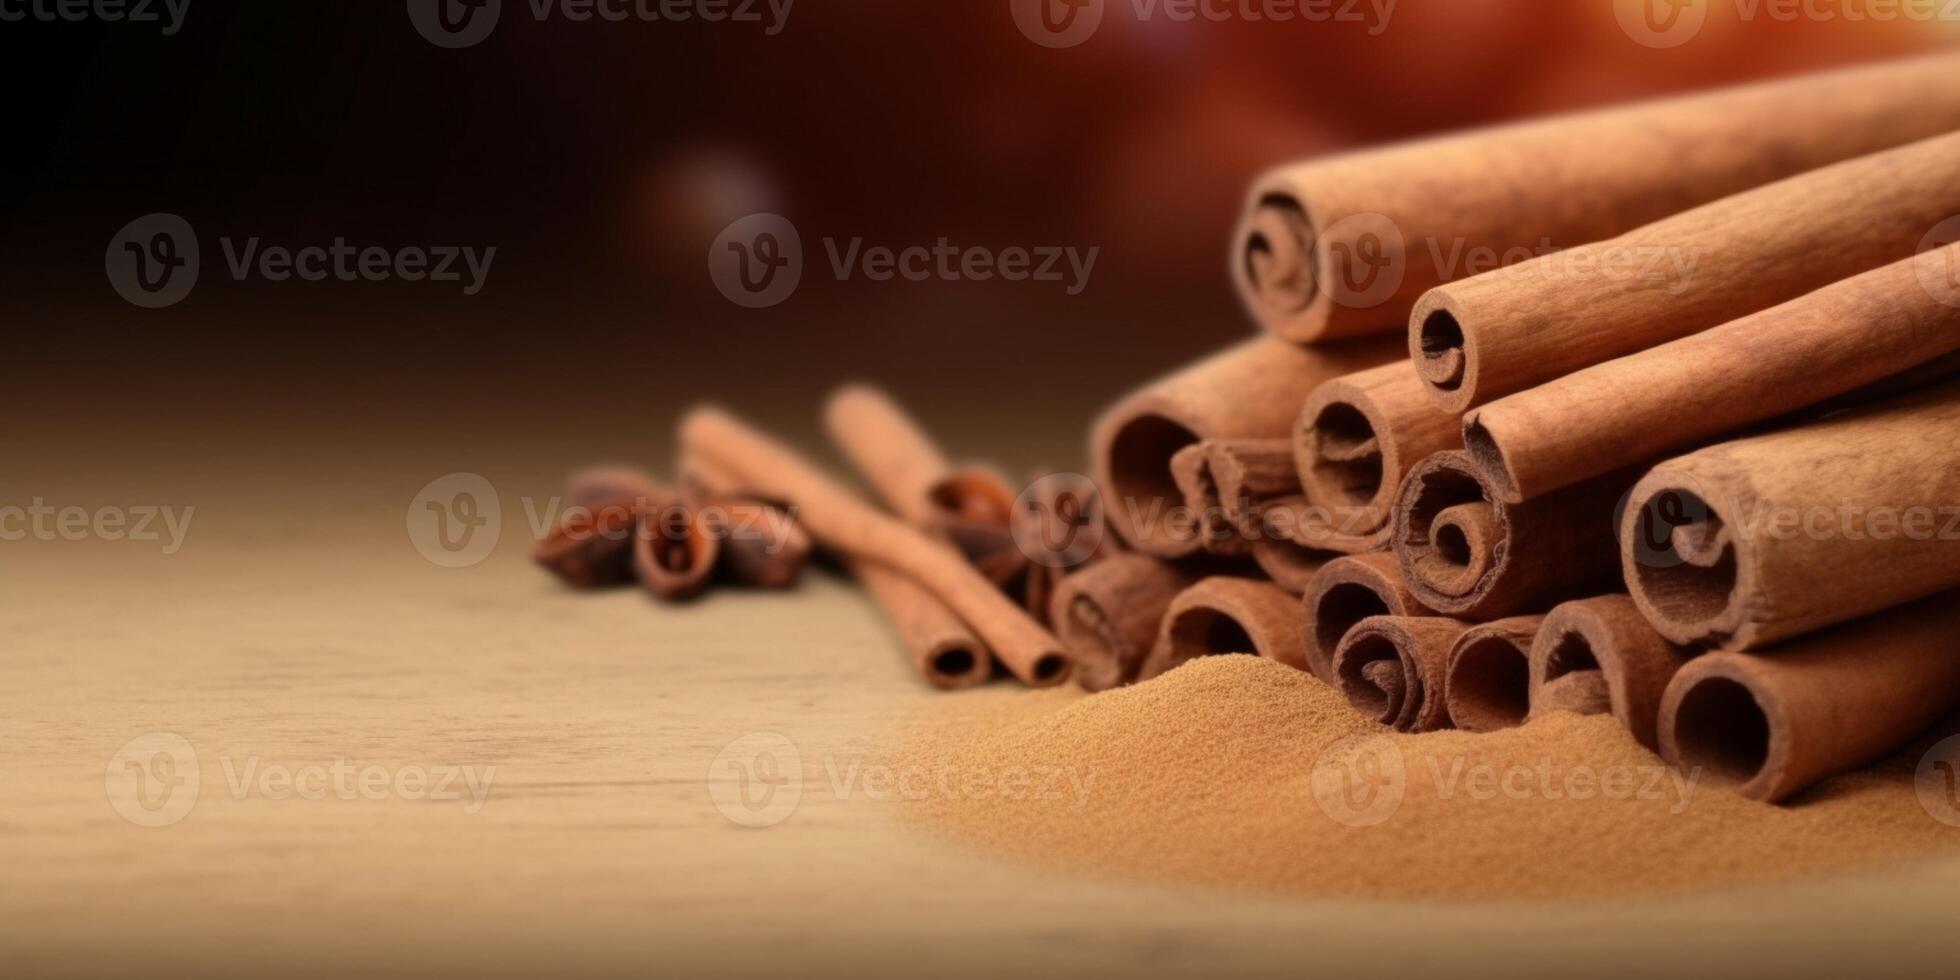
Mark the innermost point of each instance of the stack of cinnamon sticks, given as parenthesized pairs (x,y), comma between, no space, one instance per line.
(1686,450)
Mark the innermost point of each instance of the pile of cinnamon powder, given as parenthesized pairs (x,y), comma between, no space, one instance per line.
(1239,771)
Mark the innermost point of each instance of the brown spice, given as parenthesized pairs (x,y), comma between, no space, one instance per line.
(1206,775)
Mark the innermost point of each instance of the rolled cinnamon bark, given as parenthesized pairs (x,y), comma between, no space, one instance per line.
(1228,483)
(591,544)
(1059,529)
(905,468)
(1221,615)
(1775,723)
(1355,440)
(599,483)
(1290,566)
(1107,616)
(1346,591)
(1249,391)
(1342,246)
(842,522)
(676,547)
(1487,682)
(1598,656)
(944,651)
(1488,336)
(1465,552)
(1393,669)
(761,545)
(1825,344)
(1749,542)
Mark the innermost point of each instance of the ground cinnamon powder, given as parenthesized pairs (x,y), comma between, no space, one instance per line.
(1238,771)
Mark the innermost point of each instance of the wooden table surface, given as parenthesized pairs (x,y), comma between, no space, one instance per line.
(299,631)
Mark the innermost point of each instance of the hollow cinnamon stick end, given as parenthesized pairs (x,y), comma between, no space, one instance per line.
(1687,569)
(1487,686)
(1717,719)
(1443,351)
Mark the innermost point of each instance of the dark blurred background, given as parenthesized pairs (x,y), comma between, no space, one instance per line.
(601,160)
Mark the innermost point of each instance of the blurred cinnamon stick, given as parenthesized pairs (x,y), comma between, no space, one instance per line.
(1108,616)
(845,523)
(1249,391)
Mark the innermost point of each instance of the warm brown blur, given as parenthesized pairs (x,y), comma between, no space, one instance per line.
(602,159)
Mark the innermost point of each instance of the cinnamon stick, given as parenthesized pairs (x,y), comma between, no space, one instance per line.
(1059,529)
(1488,336)
(1817,347)
(969,506)
(1227,483)
(1761,539)
(944,651)
(1599,656)
(1346,591)
(1393,669)
(675,549)
(1465,552)
(1290,566)
(1249,391)
(842,522)
(1487,678)
(1343,246)
(1355,440)
(1107,616)
(1774,723)
(1222,615)
(761,545)
(590,546)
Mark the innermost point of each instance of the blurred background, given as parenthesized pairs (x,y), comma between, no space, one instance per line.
(601,159)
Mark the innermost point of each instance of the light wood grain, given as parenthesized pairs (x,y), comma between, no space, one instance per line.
(299,626)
